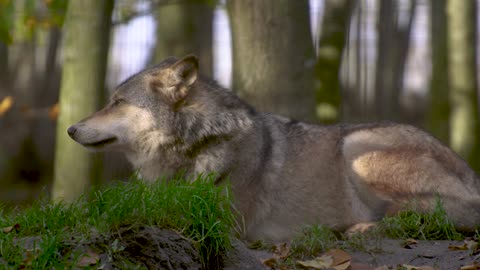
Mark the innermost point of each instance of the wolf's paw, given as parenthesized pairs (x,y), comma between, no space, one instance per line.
(360,228)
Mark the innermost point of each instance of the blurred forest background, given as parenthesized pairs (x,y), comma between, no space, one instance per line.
(325,61)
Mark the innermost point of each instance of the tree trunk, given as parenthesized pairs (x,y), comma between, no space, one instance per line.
(393,46)
(4,70)
(439,108)
(464,122)
(184,28)
(47,93)
(85,48)
(273,56)
(335,24)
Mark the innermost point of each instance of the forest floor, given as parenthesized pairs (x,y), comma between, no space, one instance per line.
(379,254)
(145,247)
(188,226)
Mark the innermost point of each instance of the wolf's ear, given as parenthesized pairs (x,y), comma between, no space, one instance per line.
(186,69)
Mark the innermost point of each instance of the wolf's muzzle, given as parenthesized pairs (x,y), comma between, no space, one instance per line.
(71,131)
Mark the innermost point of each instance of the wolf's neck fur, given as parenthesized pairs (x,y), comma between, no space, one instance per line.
(198,139)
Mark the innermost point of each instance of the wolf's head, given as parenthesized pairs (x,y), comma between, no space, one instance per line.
(140,108)
(165,107)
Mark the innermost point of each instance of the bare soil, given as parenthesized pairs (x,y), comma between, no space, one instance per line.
(392,253)
(384,254)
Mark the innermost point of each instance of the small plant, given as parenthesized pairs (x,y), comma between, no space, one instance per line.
(425,226)
(313,240)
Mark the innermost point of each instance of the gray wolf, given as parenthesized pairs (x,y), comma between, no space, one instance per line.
(283,173)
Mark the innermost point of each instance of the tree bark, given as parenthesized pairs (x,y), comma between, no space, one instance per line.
(393,46)
(85,48)
(464,122)
(48,91)
(273,56)
(439,108)
(335,24)
(4,70)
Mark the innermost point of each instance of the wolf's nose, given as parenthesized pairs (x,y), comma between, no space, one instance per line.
(71,131)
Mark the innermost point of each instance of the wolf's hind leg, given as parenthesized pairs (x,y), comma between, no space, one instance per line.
(401,176)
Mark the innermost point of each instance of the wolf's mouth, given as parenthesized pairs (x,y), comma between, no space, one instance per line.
(101,143)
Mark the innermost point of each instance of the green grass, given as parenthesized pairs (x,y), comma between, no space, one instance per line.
(435,225)
(199,210)
(423,226)
(313,240)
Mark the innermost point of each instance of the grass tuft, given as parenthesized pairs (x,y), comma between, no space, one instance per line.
(313,240)
(198,209)
(434,225)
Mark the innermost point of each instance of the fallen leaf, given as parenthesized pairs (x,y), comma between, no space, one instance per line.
(364,266)
(342,266)
(322,262)
(7,229)
(5,105)
(360,228)
(30,256)
(470,267)
(281,251)
(384,267)
(462,247)
(340,258)
(427,256)
(472,245)
(259,244)
(409,243)
(270,262)
(11,228)
(91,258)
(413,267)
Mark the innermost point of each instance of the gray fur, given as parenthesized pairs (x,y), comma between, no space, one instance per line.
(283,173)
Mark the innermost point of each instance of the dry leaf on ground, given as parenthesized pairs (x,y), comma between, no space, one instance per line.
(384,267)
(468,245)
(333,259)
(462,247)
(474,266)
(341,259)
(409,243)
(472,245)
(322,262)
(11,228)
(91,258)
(413,267)
(281,251)
(271,262)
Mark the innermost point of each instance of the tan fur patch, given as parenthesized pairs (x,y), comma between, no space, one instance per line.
(362,164)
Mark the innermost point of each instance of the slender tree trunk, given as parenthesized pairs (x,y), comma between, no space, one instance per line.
(352,99)
(335,23)
(273,56)
(393,46)
(184,28)
(439,108)
(4,70)
(85,48)
(464,121)
(45,94)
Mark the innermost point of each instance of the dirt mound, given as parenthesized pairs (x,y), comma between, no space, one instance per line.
(154,248)
(137,247)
